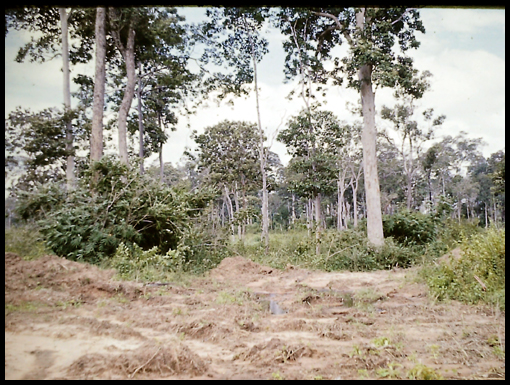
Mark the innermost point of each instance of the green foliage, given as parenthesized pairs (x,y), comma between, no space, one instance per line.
(313,139)
(423,372)
(452,232)
(39,202)
(483,256)
(342,250)
(410,228)
(26,241)
(125,208)
(145,265)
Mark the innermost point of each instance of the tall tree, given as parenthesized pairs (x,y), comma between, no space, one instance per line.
(312,140)
(242,48)
(56,26)
(371,34)
(126,46)
(412,137)
(71,180)
(228,154)
(96,136)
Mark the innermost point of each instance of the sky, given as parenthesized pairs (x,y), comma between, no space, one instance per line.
(464,49)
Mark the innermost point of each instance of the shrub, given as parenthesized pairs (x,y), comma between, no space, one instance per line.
(410,228)
(125,208)
(483,255)
(340,250)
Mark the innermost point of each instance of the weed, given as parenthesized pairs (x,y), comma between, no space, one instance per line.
(24,306)
(423,372)
(277,376)
(498,352)
(390,371)
(26,241)
(434,350)
(364,298)
(319,377)
(357,351)
(479,275)
(362,373)
(177,311)
(71,303)
(120,298)
(381,341)
(413,357)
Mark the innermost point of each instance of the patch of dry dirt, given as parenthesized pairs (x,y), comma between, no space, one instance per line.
(68,320)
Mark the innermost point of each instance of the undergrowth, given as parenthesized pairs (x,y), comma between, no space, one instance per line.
(339,250)
(25,241)
(477,276)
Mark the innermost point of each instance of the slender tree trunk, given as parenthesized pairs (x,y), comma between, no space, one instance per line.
(128,53)
(230,209)
(71,181)
(293,209)
(339,207)
(368,138)
(161,166)
(486,218)
(96,135)
(140,119)
(318,224)
(262,157)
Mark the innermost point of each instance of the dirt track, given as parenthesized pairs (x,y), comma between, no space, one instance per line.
(67,320)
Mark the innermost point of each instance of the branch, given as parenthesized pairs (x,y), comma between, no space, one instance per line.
(141,366)
(407,9)
(338,26)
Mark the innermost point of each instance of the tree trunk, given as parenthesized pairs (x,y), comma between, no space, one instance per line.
(262,158)
(293,209)
(372,189)
(161,166)
(368,139)
(318,224)
(128,54)
(230,209)
(96,135)
(140,120)
(71,181)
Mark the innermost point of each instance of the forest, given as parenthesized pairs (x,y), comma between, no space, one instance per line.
(374,248)
(353,196)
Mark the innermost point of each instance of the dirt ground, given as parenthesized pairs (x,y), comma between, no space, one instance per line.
(68,320)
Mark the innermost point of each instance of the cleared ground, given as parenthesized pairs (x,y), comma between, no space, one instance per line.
(68,320)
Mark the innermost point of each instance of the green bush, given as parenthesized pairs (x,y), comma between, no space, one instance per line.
(452,231)
(352,251)
(483,255)
(124,208)
(340,250)
(410,228)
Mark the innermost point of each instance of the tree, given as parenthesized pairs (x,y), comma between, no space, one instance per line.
(412,137)
(242,49)
(56,26)
(312,140)
(126,46)
(371,33)
(96,136)
(35,143)
(228,155)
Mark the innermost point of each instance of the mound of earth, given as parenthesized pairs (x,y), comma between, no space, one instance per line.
(71,320)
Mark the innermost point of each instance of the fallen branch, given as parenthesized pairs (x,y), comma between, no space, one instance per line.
(484,288)
(140,367)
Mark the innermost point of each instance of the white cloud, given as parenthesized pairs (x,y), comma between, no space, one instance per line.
(458,20)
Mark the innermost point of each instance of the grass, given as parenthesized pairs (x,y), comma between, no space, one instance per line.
(24,306)
(26,241)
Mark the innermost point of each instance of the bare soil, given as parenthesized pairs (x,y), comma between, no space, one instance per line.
(68,320)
